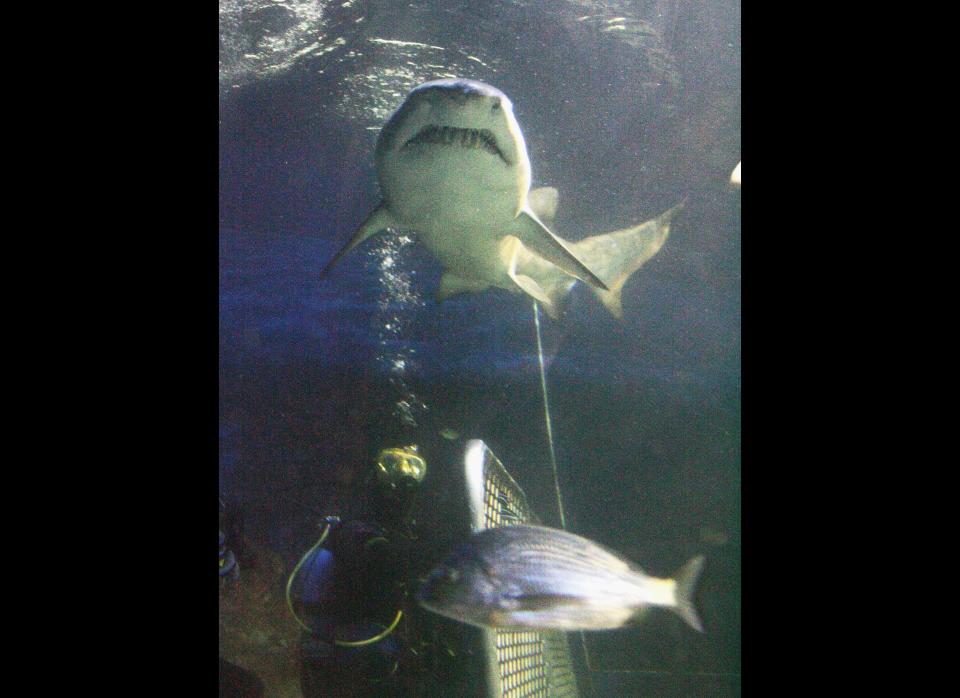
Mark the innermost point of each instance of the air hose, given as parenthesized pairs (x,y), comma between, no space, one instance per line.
(293,576)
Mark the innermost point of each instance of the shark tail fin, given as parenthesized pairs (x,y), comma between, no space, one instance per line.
(376,221)
(686,581)
(616,256)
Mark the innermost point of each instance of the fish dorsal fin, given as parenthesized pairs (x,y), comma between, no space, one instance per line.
(537,237)
(380,219)
(543,202)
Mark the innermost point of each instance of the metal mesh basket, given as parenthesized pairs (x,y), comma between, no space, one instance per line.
(528,663)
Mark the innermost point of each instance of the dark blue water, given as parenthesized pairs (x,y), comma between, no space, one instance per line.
(646,410)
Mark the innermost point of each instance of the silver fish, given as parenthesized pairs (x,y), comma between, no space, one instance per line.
(534,577)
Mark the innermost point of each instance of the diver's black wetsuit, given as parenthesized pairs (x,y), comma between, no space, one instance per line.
(352,590)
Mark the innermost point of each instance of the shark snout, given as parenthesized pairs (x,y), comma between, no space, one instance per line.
(458,97)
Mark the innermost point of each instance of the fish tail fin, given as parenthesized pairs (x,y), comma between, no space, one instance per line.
(686,580)
(617,255)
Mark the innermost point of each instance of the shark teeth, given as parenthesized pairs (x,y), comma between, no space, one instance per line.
(481,138)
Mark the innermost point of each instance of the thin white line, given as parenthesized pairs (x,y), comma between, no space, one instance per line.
(546,415)
(553,456)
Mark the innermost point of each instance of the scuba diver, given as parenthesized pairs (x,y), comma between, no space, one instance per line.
(350,592)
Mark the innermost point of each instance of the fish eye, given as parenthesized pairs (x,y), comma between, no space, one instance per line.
(496,105)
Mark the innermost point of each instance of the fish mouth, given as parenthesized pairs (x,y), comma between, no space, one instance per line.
(476,138)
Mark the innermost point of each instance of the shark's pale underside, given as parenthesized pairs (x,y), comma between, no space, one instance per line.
(452,165)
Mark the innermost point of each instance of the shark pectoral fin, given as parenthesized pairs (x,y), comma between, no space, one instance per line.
(538,238)
(543,202)
(376,221)
(451,285)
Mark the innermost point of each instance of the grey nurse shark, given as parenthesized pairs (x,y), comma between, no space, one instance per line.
(452,165)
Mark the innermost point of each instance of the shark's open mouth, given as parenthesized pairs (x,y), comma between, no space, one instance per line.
(464,137)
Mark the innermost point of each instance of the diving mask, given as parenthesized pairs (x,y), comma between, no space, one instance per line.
(395,465)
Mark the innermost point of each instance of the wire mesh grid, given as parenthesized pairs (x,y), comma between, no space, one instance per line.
(536,664)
